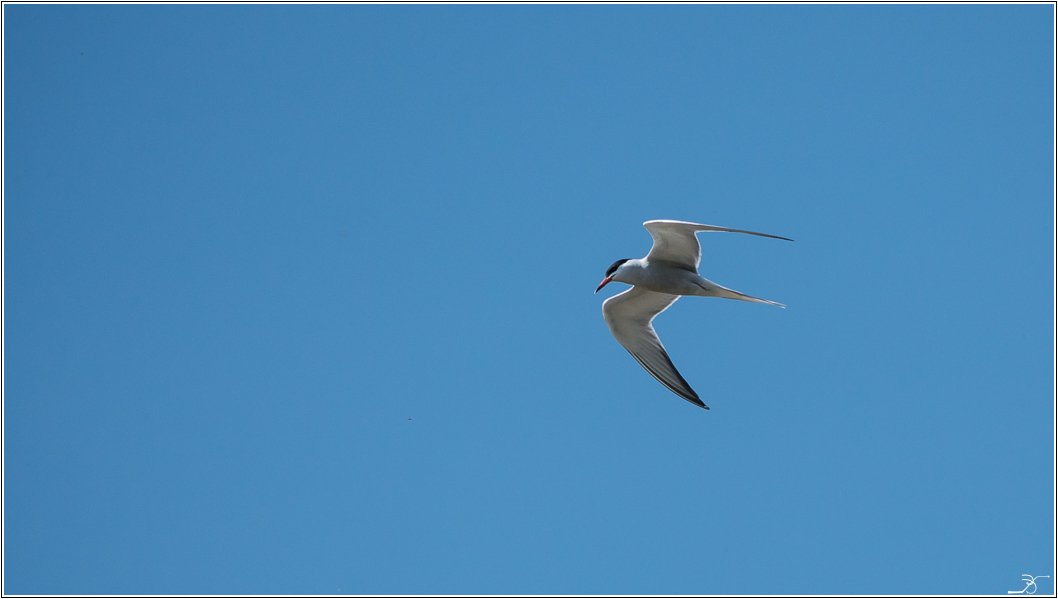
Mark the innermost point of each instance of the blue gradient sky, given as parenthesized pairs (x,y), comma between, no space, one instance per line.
(299,299)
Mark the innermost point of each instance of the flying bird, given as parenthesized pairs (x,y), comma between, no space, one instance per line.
(668,271)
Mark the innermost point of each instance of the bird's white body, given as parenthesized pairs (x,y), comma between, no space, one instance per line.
(675,279)
(662,277)
(667,272)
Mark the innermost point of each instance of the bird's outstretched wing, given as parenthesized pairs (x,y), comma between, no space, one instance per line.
(675,241)
(628,315)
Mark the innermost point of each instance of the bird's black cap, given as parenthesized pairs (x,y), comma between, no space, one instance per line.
(615,266)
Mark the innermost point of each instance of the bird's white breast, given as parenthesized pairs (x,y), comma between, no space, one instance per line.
(659,276)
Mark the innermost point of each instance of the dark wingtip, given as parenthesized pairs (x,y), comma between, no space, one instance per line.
(774,236)
(696,401)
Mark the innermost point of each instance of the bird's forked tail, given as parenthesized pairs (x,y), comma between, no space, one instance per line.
(714,290)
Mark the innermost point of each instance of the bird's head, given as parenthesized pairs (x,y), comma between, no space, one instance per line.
(611,273)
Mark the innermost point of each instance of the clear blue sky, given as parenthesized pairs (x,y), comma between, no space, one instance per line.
(298,299)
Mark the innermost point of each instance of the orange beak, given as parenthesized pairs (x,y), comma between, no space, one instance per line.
(603,284)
